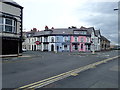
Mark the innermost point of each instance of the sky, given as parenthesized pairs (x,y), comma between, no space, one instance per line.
(99,14)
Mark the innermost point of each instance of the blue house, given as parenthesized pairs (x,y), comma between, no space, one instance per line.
(58,44)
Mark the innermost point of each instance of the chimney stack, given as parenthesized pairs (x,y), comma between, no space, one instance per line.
(46,27)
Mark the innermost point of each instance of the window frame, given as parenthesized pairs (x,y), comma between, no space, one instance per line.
(82,39)
(52,39)
(5,26)
(75,39)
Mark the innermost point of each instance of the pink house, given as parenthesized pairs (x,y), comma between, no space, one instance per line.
(78,43)
(82,41)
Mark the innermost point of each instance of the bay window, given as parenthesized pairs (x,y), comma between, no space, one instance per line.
(8,25)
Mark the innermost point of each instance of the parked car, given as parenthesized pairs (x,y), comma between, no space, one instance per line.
(24,50)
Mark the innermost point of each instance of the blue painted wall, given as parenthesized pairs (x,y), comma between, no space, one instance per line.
(59,41)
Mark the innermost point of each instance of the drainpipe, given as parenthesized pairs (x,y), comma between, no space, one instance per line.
(93,51)
(18,48)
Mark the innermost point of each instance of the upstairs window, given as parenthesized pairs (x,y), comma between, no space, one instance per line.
(65,39)
(82,39)
(1,24)
(57,39)
(8,25)
(76,39)
(88,40)
(52,39)
(83,32)
(76,32)
(45,39)
(1,20)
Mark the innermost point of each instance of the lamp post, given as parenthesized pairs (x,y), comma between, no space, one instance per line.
(116,9)
(93,51)
(93,46)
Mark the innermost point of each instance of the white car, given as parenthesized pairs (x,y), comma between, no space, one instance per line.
(24,50)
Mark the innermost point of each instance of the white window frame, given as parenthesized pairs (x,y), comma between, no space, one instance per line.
(82,39)
(13,26)
(75,39)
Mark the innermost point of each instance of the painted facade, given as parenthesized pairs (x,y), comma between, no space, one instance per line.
(58,43)
(67,40)
(66,44)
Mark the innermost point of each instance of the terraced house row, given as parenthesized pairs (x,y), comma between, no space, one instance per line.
(70,39)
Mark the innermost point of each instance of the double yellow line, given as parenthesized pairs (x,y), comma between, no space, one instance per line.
(63,75)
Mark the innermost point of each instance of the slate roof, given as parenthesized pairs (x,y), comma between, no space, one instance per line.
(89,30)
(38,33)
(11,2)
(67,31)
(97,32)
(104,38)
(62,31)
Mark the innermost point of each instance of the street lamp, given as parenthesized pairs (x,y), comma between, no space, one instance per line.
(93,46)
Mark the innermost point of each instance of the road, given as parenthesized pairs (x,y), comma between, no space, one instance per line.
(36,66)
(103,76)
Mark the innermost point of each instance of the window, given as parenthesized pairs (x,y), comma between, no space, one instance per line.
(29,40)
(8,25)
(82,39)
(46,46)
(75,38)
(52,39)
(29,35)
(88,40)
(83,32)
(92,39)
(1,20)
(1,28)
(8,28)
(76,32)
(57,39)
(45,39)
(1,24)
(8,21)
(65,39)
(39,39)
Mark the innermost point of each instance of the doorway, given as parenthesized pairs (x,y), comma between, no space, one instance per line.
(52,47)
(57,48)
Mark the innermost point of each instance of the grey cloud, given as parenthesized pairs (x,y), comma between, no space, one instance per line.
(102,16)
(101,7)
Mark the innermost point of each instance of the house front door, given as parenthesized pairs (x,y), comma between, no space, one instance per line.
(52,47)
(57,48)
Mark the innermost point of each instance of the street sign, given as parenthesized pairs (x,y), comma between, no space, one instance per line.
(37,42)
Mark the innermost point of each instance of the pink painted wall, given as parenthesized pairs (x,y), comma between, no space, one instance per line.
(79,40)
(72,40)
(84,41)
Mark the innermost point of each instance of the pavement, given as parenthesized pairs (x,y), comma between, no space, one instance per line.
(36,66)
